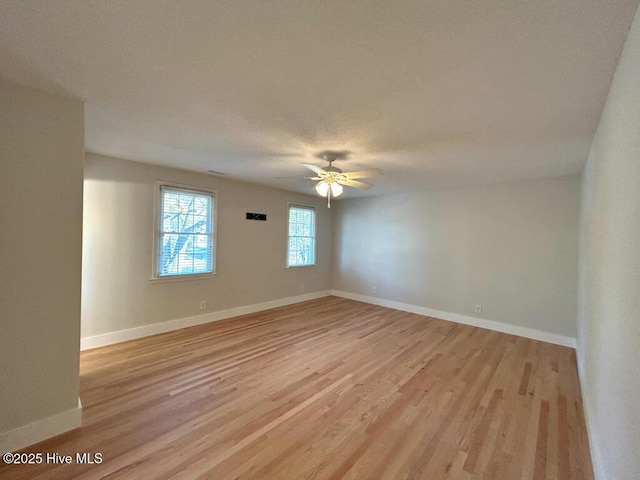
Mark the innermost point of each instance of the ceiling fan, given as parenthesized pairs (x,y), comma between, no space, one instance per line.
(331,179)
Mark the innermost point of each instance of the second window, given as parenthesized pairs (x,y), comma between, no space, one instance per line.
(301,241)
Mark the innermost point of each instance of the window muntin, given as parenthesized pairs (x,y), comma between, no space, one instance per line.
(185,235)
(301,242)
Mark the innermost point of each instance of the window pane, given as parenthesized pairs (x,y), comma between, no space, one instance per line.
(301,243)
(186,233)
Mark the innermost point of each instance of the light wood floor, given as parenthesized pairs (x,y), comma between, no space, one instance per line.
(326,389)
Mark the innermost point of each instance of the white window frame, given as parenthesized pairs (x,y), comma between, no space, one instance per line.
(315,235)
(157,237)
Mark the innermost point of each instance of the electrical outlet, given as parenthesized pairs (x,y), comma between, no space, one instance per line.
(478,308)
(302,287)
(203,304)
(374,289)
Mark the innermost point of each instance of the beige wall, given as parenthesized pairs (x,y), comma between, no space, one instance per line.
(609,293)
(118,238)
(41,162)
(511,248)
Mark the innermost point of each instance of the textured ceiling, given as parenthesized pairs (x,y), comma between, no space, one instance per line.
(433,93)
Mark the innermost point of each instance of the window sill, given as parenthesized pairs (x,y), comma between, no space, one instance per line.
(182,278)
(294,267)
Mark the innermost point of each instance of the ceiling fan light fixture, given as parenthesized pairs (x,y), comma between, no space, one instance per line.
(328,188)
(322,188)
(336,189)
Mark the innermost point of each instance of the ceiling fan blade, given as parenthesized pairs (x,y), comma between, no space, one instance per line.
(354,183)
(314,168)
(299,178)
(363,174)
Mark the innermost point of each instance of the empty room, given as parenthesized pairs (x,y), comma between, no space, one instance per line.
(320,240)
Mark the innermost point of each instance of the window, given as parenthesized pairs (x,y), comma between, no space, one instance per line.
(301,245)
(185,233)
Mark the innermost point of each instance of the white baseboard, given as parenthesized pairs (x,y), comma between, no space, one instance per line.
(598,469)
(87,343)
(464,319)
(170,325)
(41,430)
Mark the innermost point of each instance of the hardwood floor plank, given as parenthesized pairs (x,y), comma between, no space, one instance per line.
(326,389)
(540,468)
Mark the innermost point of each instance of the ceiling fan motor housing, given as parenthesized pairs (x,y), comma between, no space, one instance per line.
(331,169)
